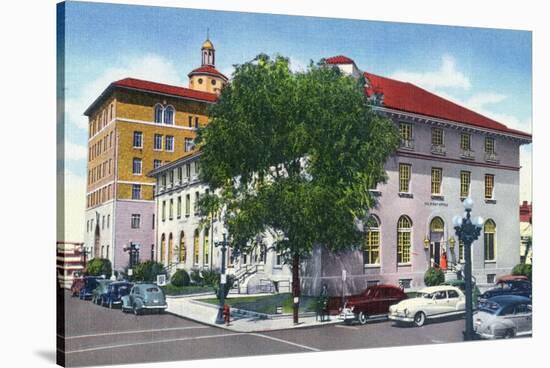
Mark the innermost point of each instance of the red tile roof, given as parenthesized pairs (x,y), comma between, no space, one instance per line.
(208,70)
(409,98)
(340,59)
(154,87)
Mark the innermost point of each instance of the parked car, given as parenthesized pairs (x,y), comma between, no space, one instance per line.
(374,302)
(114,293)
(102,286)
(90,283)
(511,287)
(430,303)
(144,297)
(504,316)
(462,286)
(77,284)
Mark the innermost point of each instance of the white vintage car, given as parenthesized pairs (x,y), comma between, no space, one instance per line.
(430,303)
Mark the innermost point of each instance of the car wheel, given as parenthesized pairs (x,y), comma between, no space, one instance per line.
(110,303)
(362,318)
(419,319)
(136,311)
(348,322)
(509,334)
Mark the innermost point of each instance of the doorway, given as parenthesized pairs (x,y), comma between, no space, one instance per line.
(437,229)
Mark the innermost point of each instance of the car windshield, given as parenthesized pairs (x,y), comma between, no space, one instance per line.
(489,307)
(425,295)
(153,290)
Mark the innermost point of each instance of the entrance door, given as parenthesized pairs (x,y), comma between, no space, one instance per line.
(435,253)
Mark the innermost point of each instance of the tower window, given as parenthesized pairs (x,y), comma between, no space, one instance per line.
(213,82)
(200,80)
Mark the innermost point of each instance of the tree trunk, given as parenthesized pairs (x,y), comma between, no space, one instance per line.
(295,285)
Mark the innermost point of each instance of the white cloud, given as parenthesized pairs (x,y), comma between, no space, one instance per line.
(150,67)
(75,152)
(526,174)
(297,65)
(446,77)
(74,207)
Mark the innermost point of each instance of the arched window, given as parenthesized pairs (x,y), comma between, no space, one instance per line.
(404,228)
(206,246)
(182,250)
(170,248)
(196,247)
(162,248)
(437,225)
(371,247)
(158,113)
(489,238)
(169,115)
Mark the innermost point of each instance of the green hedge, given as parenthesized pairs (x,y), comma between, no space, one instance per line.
(180,278)
(99,267)
(523,269)
(434,276)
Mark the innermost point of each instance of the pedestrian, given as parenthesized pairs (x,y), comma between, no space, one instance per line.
(322,303)
(443,261)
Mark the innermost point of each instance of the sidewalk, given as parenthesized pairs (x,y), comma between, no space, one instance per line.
(191,307)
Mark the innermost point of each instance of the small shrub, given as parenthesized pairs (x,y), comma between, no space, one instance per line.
(523,269)
(148,271)
(98,267)
(180,278)
(196,277)
(434,276)
(211,277)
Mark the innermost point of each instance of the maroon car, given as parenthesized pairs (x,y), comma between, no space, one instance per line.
(374,302)
(78,283)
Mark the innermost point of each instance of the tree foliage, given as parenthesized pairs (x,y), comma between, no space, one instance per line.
(147,271)
(524,269)
(434,276)
(99,267)
(293,154)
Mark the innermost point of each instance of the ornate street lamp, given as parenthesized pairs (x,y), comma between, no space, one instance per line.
(221,290)
(133,254)
(468,231)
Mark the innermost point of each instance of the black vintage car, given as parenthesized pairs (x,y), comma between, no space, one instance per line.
(90,283)
(508,287)
(114,293)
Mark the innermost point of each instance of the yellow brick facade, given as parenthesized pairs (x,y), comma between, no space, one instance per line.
(111,148)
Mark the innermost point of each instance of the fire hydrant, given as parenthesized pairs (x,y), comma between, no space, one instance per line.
(226,314)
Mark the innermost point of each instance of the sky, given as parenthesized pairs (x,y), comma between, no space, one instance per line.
(487,70)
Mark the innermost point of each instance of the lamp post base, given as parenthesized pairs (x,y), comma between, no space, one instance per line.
(219,317)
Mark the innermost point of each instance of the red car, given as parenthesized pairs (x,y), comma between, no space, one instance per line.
(78,283)
(374,302)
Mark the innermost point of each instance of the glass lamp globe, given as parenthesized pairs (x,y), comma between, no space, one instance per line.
(468,203)
(457,221)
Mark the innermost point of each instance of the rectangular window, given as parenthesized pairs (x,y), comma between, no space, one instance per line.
(163,181)
(163,210)
(187,204)
(136,167)
(157,164)
(403,246)
(190,121)
(406,135)
(196,121)
(180,174)
(371,255)
(169,143)
(188,171)
(437,136)
(404,178)
(197,167)
(206,247)
(171,213)
(138,140)
(135,221)
(103,222)
(196,206)
(153,222)
(437,174)
(188,144)
(179,207)
(136,191)
(489,145)
(489,186)
(171,177)
(157,143)
(465,177)
(465,142)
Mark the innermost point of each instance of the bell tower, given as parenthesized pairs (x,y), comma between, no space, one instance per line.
(206,77)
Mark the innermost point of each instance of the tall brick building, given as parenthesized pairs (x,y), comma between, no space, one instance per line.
(134,127)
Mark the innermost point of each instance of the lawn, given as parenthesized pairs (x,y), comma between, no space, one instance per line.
(267,303)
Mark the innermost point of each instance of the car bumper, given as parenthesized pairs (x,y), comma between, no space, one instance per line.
(400,318)
(155,306)
(347,316)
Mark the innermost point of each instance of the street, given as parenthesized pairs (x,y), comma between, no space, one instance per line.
(99,336)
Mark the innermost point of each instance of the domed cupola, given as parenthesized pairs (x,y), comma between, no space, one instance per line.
(207,78)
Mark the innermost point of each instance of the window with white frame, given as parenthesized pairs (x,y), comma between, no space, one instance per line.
(138,140)
(158,113)
(169,143)
(188,145)
(169,115)
(136,219)
(157,164)
(157,143)
(136,167)
(136,191)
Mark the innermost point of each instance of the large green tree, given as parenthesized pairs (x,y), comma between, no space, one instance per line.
(293,154)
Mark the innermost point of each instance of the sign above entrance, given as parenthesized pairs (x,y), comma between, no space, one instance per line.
(436,204)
